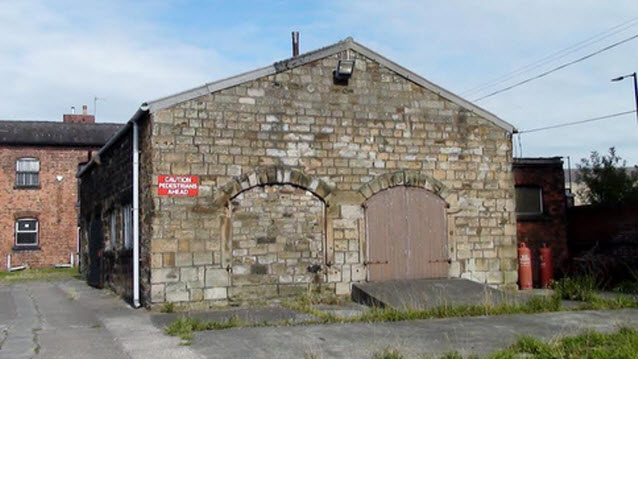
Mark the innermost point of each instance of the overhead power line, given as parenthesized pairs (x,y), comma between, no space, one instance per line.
(569,124)
(556,55)
(560,67)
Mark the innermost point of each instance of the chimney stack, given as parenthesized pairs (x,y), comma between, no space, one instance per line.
(83,117)
(295,44)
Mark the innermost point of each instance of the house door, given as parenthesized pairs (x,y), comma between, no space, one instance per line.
(406,235)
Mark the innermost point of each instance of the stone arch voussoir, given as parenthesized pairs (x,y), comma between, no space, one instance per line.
(272,175)
(407,178)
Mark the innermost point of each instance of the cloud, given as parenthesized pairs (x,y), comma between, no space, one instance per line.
(52,60)
(461,44)
(54,54)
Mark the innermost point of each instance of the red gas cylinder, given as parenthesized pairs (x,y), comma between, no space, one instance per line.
(546,269)
(524,267)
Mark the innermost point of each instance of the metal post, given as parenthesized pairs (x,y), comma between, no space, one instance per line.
(636,93)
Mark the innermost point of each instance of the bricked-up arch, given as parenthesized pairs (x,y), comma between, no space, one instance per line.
(273,175)
(406,178)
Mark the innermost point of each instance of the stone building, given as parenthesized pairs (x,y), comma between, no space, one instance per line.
(541,209)
(333,167)
(38,189)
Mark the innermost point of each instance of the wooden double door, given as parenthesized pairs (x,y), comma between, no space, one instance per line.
(406,235)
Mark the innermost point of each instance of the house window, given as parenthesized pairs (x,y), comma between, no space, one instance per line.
(127,226)
(27,173)
(26,232)
(529,200)
(112,230)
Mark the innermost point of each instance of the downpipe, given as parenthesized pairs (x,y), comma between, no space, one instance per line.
(136,216)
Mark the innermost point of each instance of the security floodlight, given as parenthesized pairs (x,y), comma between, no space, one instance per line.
(344,70)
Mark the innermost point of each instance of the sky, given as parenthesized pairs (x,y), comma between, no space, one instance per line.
(56,54)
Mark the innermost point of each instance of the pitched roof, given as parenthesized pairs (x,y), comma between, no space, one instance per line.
(57,134)
(347,44)
(288,64)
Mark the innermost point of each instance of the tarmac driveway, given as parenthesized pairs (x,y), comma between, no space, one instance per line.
(68,319)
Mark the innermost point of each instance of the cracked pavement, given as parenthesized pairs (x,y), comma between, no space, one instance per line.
(69,319)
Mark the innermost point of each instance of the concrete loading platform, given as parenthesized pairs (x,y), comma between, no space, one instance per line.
(427,293)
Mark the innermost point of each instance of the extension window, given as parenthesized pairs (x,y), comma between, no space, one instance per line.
(529,201)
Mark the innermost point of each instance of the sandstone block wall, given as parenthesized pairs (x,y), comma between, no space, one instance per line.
(104,190)
(342,143)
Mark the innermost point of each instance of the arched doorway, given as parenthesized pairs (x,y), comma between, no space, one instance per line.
(277,241)
(406,235)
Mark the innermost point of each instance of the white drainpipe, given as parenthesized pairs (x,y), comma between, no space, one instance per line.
(136,215)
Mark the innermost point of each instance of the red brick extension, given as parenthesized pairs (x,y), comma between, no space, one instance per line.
(53,204)
(551,226)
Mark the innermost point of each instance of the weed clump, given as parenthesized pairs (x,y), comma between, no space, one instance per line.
(184,327)
(576,288)
(168,307)
(387,353)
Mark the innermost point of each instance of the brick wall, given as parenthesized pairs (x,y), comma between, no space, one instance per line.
(609,233)
(53,204)
(343,143)
(551,225)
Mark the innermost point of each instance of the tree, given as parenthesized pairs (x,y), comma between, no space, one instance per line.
(607,180)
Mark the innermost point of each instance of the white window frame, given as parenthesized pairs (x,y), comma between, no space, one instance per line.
(30,172)
(127,226)
(18,231)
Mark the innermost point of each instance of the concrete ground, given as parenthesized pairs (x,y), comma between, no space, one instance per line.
(68,319)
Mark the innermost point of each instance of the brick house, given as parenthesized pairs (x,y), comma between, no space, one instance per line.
(333,167)
(541,208)
(38,188)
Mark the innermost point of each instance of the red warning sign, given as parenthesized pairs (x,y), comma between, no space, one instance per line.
(177,185)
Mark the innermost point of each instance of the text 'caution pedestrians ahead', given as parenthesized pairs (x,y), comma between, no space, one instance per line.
(177,185)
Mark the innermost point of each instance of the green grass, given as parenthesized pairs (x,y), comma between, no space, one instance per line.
(590,344)
(621,344)
(38,274)
(184,326)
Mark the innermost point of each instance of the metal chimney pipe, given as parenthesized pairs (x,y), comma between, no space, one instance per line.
(295,44)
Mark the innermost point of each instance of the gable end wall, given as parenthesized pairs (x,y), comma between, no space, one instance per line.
(349,137)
